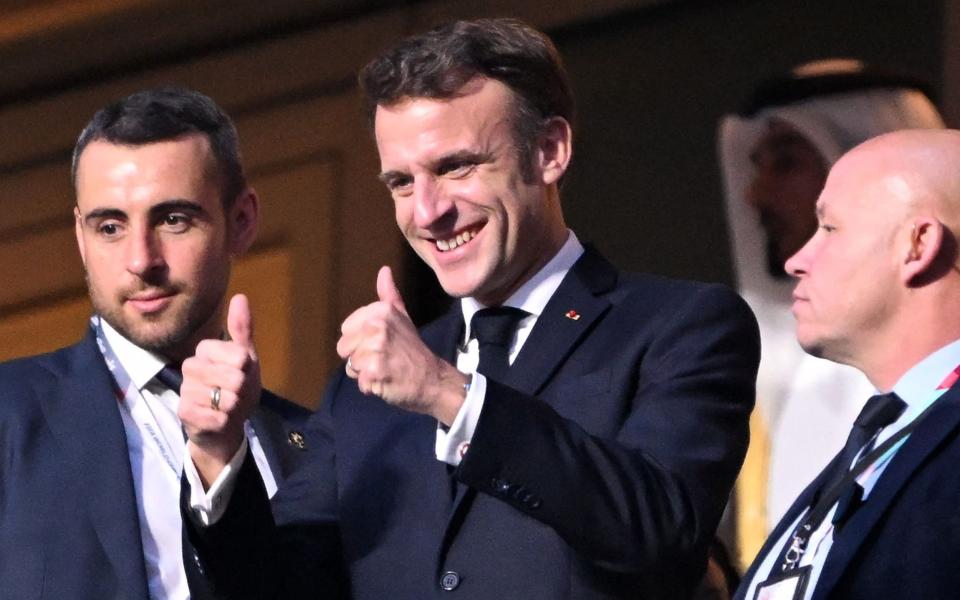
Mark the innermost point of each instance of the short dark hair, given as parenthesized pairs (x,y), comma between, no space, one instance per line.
(439,63)
(164,114)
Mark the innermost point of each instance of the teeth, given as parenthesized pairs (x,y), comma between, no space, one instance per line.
(454,242)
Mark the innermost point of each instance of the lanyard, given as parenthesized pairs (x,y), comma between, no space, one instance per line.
(815,517)
(133,401)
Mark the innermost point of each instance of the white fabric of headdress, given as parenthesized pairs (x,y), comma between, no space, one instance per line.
(807,403)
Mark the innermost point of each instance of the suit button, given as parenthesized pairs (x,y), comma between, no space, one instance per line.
(197,563)
(450,580)
(501,486)
(531,501)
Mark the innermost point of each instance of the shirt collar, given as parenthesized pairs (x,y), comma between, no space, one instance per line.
(534,294)
(918,384)
(141,365)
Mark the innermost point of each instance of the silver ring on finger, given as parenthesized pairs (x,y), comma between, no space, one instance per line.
(215,397)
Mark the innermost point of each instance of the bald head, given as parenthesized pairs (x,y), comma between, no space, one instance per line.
(879,274)
(914,171)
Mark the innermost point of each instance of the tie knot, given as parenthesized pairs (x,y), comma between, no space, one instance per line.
(171,377)
(496,325)
(880,411)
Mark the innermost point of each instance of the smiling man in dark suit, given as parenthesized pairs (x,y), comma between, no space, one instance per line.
(91,443)
(878,288)
(565,431)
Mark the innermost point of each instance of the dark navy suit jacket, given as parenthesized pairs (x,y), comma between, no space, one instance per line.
(902,542)
(598,469)
(68,515)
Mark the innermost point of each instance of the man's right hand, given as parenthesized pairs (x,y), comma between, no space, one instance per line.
(216,431)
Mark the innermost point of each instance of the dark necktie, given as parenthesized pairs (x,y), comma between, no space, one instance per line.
(171,377)
(877,413)
(494,329)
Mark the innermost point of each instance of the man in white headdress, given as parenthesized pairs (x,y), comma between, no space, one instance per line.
(775,156)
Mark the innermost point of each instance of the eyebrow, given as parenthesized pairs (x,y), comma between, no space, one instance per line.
(182,204)
(386,176)
(459,155)
(99,214)
(819,211)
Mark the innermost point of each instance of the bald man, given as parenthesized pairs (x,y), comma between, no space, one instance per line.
(879,289)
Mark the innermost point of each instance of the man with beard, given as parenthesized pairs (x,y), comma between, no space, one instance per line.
(565,431)
(877,288)
(775,155)
(91,441)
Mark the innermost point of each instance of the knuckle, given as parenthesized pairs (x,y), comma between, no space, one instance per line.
(206,347)
(191,367)
(377,320)
(236,355)
(233,380)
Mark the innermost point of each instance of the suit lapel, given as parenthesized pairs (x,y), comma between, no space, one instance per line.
(277,429)
(803,501)
(569,314)
(936,426)
(85,419)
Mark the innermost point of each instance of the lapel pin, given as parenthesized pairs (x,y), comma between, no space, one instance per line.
(297,440)
(572,315)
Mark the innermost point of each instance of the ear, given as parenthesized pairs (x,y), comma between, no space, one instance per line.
(242,221)
(78,229)
(926,239)
(555,149)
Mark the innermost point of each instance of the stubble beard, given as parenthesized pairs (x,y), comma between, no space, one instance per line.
(173,332)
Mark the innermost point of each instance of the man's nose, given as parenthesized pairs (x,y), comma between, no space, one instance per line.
(144,251)
(430,202)
(798,265)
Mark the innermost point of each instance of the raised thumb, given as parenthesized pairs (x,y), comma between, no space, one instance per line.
(387,290)
(240,323)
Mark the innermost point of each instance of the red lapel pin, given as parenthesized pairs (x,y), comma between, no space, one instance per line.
(572,315)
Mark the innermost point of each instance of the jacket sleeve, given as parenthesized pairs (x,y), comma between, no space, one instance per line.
(247,556)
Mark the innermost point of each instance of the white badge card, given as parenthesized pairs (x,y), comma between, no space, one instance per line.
(791,585)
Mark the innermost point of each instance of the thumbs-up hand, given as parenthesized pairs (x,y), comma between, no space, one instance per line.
(388,359)
(221,387)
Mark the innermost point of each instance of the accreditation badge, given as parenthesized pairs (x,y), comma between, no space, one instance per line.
(789,585)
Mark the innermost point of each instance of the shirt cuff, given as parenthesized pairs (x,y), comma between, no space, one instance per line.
(453,443)
(207,507)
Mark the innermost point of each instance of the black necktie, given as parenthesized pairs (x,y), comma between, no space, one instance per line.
(877,413)
(171,377)
(494,329)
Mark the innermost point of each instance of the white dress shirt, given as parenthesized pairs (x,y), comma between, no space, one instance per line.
(532,297)
(918,387)
(155,443)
